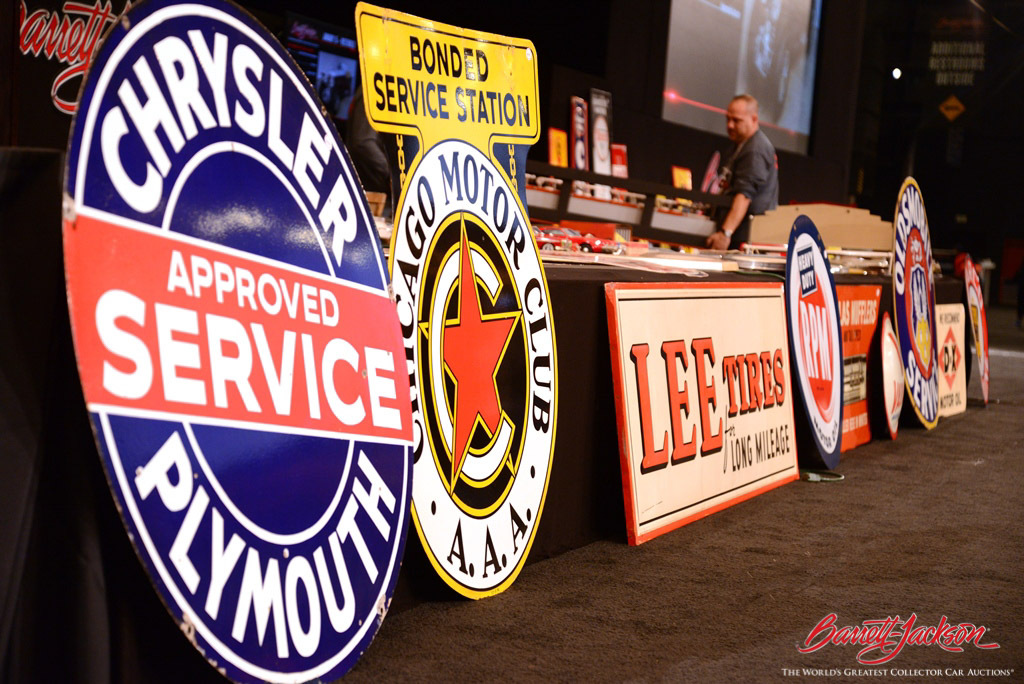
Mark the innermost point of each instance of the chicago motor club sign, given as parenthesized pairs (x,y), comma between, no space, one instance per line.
(913,287)
(239,353)
(474,308)
(470,289)
(812,307)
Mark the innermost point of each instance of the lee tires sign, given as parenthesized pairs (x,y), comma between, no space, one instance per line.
(704,406)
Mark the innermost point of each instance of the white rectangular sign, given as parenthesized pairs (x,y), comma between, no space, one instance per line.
(703,398)
(949,331)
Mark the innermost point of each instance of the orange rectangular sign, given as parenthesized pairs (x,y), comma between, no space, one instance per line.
(704,405)
(682,177)
(558,147)
(858,318)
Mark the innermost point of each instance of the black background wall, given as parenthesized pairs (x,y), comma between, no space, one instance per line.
(968,168)
(868,131)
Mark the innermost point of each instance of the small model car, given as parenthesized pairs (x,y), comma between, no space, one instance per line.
(551,242)
(555,235)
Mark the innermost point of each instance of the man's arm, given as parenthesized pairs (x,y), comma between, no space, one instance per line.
(737,212)
(720,238)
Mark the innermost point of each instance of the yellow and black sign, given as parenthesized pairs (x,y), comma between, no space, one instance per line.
(446,82)
(469,287)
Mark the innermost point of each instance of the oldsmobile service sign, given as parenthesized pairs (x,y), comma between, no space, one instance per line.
(913,289)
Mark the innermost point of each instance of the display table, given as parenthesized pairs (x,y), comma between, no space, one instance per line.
(75,603)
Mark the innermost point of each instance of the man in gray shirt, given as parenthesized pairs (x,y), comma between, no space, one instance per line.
(750,174)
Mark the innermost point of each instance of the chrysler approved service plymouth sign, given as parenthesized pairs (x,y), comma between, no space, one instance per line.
(240,357)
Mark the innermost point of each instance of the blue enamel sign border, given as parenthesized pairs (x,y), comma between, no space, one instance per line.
(914,306)
(818,370)
(215,232)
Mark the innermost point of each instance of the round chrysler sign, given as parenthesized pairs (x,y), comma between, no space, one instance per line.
(240,356)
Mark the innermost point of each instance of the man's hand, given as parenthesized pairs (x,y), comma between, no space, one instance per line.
(717,240)
(737,211)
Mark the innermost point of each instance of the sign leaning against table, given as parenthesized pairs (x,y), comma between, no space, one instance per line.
(471,293)
(812,307)
(892,376)
(913,289)
(858,316)
(950,326)
(239,353)
(979,323)
(704,407)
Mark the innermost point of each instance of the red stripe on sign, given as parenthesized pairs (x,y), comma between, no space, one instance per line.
(167,325)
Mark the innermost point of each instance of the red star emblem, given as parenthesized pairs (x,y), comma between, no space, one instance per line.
(473,347)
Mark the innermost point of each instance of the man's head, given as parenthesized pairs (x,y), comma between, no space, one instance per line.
(741,118)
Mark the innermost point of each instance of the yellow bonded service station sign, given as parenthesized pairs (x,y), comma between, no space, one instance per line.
(438,81)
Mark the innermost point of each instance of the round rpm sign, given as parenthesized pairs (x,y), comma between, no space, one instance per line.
(914,303)
(240,357)
(473,305)
(813,310)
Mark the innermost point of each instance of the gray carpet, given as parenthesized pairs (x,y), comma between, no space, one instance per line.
(929,524)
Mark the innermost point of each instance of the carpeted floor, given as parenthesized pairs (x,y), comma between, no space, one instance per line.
(928,525)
